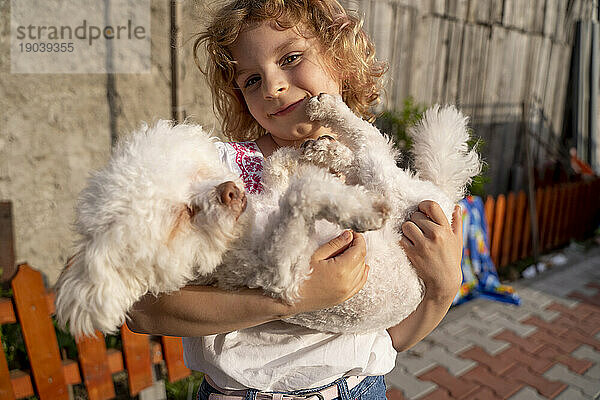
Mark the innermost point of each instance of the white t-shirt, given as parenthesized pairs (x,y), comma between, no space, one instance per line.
(278,356)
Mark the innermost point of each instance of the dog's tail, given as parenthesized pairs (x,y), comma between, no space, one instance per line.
(441,152)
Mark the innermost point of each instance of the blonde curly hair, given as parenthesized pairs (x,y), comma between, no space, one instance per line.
(350,54)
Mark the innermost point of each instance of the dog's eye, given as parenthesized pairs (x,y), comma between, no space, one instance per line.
(306,143)
(328,137)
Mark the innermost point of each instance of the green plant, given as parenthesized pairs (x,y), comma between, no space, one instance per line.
(396,123)
(66,342)
(183,389)
(14,346)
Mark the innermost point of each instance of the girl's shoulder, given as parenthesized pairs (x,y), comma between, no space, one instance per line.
(245,159)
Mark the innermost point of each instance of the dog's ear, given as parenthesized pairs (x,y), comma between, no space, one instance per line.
(91,294)
(184,213)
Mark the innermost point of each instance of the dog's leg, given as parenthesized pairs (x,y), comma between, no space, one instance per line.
(375,157)
(286,247)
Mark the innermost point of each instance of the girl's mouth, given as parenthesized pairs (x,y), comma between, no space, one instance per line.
(287,109)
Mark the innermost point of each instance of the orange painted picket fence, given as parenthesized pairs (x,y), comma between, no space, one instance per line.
(565,211)
(49,376)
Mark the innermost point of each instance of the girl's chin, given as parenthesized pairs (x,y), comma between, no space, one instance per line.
(302,133)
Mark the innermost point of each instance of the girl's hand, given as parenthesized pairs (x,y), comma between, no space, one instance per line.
(434,247)
(338,273)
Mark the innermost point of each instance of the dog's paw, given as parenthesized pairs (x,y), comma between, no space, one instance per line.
(372,219)
(324,107)
(326,152)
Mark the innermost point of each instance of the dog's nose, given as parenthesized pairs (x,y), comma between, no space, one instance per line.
(232,198)
(228,192)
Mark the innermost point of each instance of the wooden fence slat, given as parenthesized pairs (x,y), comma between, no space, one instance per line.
(594,205)
(38,332)
(588,209)
(539,199)
(95,368)
(508,230)
(580,210)
(573,212)
(571,193)
(50,301)
(7,312)
(526,235)
(544,216)
(173,353)
(552,217)
(561,237)
(595,201)
(6,389)
(559,216)
(489,217)
(499,211)
(71,372)
(137,359)
(517,238)
(115,360)
(7,245)
(156,355)
(21,384)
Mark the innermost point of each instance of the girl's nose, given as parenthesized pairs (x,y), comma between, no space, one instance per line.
(274,86)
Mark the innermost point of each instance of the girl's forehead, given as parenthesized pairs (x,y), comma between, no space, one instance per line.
(266,38)
(266,32)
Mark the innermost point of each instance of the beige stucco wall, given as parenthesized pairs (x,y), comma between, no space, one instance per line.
(55,128)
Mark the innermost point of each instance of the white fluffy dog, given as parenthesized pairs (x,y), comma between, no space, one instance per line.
(165,212)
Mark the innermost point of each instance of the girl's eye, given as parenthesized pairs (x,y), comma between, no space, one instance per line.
(251,81)
(290,59)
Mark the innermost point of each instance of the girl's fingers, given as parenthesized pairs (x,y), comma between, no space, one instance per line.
(424,223)
(434,212)
(457,222)
(334,247)
(406,244)
(412,232)
(358,249)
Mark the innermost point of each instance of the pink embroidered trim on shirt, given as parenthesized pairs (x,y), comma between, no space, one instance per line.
(249,161)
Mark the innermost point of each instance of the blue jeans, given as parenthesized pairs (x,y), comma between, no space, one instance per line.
(370,388)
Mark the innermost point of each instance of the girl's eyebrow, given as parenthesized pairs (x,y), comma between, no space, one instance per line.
(286,44)
(278,49)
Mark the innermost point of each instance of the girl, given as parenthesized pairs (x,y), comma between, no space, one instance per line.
(266,58)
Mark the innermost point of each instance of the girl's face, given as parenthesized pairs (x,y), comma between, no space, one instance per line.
(277,72)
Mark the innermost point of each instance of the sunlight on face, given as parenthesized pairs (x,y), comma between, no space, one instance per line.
(278,70)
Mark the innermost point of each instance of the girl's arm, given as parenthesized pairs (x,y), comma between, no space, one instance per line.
(434,247)
(339,271)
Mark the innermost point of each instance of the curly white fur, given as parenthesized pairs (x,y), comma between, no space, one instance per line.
(152,219)
(445,166)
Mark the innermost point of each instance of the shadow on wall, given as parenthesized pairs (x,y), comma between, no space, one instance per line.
(503,130)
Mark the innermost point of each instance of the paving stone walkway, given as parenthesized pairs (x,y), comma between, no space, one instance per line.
(547,348)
